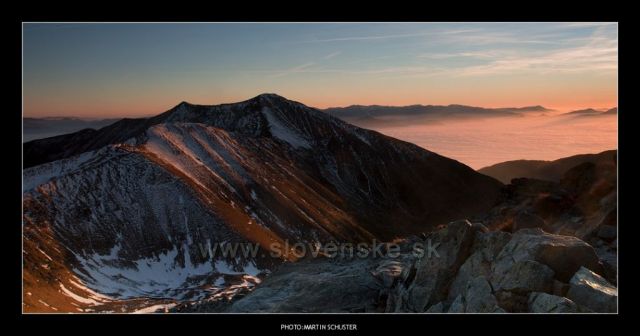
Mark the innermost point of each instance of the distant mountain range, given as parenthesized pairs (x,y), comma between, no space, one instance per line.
(361,115)
(38,128)
(593,112)
(372,115)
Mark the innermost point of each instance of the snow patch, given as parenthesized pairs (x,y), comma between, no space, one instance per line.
(159,276)
(155,308)
(281,131)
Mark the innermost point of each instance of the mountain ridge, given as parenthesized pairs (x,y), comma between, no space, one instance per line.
(551,170)
(266,170)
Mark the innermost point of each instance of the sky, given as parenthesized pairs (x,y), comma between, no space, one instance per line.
(128,70)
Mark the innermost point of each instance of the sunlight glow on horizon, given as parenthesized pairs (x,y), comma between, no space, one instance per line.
(134,70)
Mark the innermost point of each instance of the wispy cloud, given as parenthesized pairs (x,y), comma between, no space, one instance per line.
(292,70)
(332,55)
(392,36)
(466,54)
(486,51)
(588,24)
(365,38)
(598,55)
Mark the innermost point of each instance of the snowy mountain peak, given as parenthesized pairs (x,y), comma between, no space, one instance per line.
(129,213)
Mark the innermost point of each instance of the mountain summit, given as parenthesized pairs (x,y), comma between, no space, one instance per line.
(114,206)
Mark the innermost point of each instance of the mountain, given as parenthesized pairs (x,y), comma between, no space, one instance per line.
(115,219)
(37,128)
(543,170)
(592,112)
(397,115)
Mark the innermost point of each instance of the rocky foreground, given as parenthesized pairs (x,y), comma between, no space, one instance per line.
(545,247)
(474,271)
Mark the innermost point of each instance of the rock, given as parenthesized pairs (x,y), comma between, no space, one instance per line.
(479,227)
(457,306)
(546,303)
(526,276)
(512,302)
(527,220)
(436,308)
(479,297)
(593,291)
(433,274)
(485,249)
(388,271)
(554,204)
(315,285)
(609,259)
(559,288)
(563,254)
(607,233)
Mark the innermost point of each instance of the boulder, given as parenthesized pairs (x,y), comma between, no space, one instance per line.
(479,297)
(436,308)
(559,288)
(547,303)
(607,233)
(593,291)
(388,271)
(485,249)
(525,276)
(513,302)
(457,306)
(315,286)
(429,283)
(563,254)
(527,220)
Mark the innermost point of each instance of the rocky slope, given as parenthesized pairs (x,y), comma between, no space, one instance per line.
(115,218)
(473,270)
(544,170)
(546,247)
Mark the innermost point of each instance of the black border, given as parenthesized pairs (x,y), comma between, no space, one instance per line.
(414,323)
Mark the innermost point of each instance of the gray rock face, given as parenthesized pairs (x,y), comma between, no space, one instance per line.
(563,254)
(546,303)
(479,297)
(313,286)
(486,247)
(593,291)
(457,306)
(436,308)
(525,276)
(474,271)
(434,273)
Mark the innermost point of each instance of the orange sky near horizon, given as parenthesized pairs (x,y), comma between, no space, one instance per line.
(133,70)
(135,108)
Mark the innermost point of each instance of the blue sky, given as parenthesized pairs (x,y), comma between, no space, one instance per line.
(142,69)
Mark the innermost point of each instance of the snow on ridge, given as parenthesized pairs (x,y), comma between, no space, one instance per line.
(185,147)
(281,131)
(33,177)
